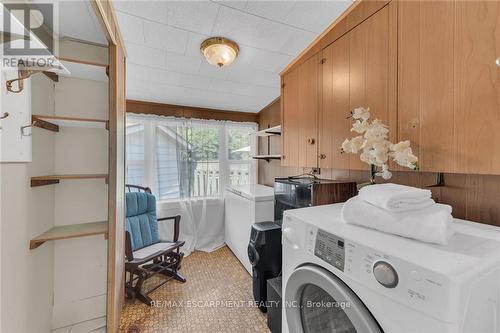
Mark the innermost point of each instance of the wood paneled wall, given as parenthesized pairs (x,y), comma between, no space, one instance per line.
(473,197)
(162,109)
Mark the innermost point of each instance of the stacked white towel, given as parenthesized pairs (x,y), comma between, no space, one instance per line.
(396,198)
(400,210)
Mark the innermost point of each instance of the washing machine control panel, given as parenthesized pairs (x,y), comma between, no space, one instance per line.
(330,248)
(389,275)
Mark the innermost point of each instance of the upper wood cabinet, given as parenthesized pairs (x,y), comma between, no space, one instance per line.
(289,118)
(308,112)
(449,84)
(372,70)
(299,114)
(333,122)
(358,69)
(425,68)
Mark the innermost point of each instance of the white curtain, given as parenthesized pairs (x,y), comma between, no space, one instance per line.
(188,163)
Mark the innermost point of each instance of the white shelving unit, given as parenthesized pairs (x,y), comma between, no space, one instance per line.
(267,133)
(276,130)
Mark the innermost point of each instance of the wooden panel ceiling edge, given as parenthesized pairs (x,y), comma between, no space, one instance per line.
(162,109)
(323,41)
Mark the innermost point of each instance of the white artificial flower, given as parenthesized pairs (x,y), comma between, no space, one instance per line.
(361,113)
(377,130)
(380,152)
(400,146)
(373,146)
(405,158)
(354,145)
(385,173)
(366,157)
(360,126)
(357,143)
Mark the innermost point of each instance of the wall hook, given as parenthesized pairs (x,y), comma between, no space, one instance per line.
(23,75)
(439,180)
(23,132)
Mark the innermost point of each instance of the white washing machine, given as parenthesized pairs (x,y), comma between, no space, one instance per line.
(345,278)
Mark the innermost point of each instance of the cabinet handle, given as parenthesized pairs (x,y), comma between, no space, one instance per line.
(498,62)
(322,156)
(311,141)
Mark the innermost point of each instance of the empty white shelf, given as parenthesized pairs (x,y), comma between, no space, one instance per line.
(275,130)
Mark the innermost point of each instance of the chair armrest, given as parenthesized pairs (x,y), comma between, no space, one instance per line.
(177,221)
(129,254)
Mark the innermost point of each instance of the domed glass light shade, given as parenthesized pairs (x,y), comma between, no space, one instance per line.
(219,51)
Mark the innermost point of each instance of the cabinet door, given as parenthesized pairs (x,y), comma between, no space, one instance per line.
(372,69)
(289,118)
(477,86)
(308,98)
(425,82)
(449,84)
(334,105)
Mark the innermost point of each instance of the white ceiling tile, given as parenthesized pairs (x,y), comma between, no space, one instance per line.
(153,11)
(236,25)
(183,63)
(128,7)
(196,16)
(262,59)
(78,20)
(298,43)
(213,71)
(194,43)
(273,10)
(131,27)
(165,37)
(137,72)
(233,87)
(147,56)
(324,13)
(137,95)
(238,4)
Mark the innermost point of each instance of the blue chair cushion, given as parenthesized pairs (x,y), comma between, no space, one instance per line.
(141,220)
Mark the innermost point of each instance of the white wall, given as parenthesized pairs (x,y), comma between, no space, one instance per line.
(80,264)
(27,275)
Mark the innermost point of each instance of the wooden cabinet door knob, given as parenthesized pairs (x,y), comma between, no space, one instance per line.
(322,156)
(311,141)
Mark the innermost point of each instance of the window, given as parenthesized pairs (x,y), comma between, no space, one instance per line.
(135,153)
(239,149)
(179,158)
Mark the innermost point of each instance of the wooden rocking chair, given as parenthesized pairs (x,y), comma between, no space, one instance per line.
(146,255)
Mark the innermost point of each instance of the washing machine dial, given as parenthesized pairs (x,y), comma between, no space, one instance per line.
(385,274)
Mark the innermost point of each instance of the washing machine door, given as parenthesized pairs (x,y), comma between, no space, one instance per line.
(318,301)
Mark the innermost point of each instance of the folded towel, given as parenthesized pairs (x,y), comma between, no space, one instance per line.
(396,198)
(431,224)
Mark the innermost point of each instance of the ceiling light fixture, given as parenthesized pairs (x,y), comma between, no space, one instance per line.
(219,51)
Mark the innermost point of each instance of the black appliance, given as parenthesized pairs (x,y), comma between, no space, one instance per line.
(264,252)
(299,192)
(274,304)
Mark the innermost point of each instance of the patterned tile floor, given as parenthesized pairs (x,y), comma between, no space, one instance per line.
(215,298)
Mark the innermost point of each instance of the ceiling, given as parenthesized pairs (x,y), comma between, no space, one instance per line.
(77,19)
(163,38)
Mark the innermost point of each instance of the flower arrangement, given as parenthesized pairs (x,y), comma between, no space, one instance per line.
(374,146)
